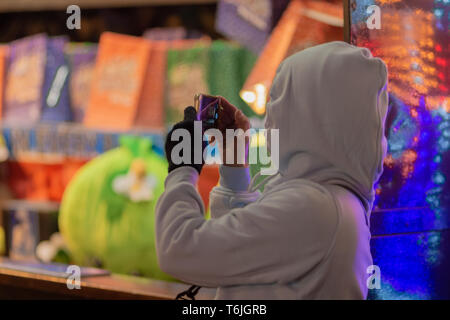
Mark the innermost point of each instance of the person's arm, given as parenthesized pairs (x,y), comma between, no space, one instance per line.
(267,241)
(232,191)
(234,176)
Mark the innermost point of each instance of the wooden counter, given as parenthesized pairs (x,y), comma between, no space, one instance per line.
(22,285)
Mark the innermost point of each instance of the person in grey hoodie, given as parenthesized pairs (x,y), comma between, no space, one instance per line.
(306,236)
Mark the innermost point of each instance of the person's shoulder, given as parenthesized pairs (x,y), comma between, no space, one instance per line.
(300,203)
(300,194)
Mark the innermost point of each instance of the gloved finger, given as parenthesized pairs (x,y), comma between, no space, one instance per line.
(190,114)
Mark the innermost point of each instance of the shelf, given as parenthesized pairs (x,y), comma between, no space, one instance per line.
(41,5)
(16,284)
(53,142)
(38,206)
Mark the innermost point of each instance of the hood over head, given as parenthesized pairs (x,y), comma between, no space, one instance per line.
(329,103)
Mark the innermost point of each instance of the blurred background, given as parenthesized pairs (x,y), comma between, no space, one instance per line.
(87,94)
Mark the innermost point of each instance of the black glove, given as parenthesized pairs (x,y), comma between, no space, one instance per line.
(190,115)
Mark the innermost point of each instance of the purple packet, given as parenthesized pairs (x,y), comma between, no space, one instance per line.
(82,62)
(55,98)
(24,80)
(249,22)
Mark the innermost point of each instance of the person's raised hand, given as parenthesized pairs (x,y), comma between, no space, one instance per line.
(187,124)
(231,117)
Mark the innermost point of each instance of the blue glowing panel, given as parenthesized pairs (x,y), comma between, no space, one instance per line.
(413,266)
(411,217)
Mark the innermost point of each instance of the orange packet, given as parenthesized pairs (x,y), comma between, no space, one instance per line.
(303,24)
(150,112)
(118,79)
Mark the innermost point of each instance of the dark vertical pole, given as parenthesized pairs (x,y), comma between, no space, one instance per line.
(347,21)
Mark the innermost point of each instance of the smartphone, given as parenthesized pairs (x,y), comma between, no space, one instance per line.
(207,107)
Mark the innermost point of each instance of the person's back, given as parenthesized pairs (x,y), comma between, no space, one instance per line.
(306,236)
(346,275)
(327,242)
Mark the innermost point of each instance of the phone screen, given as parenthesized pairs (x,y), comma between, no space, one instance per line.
(207,107)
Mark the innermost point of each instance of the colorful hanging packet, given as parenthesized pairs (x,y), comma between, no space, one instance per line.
(187,75)
(24,80)
(151,107)
(150,113)
(82,63)
(56,100)
(3,62)
(249,22)
(318,23)
(229,66)
(118,81)
(303,24)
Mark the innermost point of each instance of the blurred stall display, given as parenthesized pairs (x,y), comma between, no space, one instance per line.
(56,269)
(82,62)
(165,34)
(249,22)
(53,250)
(229,66)
(2,241)
(3,65)
(150,113)
(128,85)
(36,86)
(151,108)
(171,34)
(127,82)
(4,155)
(118,81)
(24,233)
(44,158)
(25,79)
(303,24)
(106,215)
(33,5)
(56,103)
(411,218)
(187,70)
(25,225)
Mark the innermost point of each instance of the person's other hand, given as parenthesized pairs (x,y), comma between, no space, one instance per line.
(186,124)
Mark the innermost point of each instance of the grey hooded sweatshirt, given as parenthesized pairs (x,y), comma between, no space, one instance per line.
(306,236)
